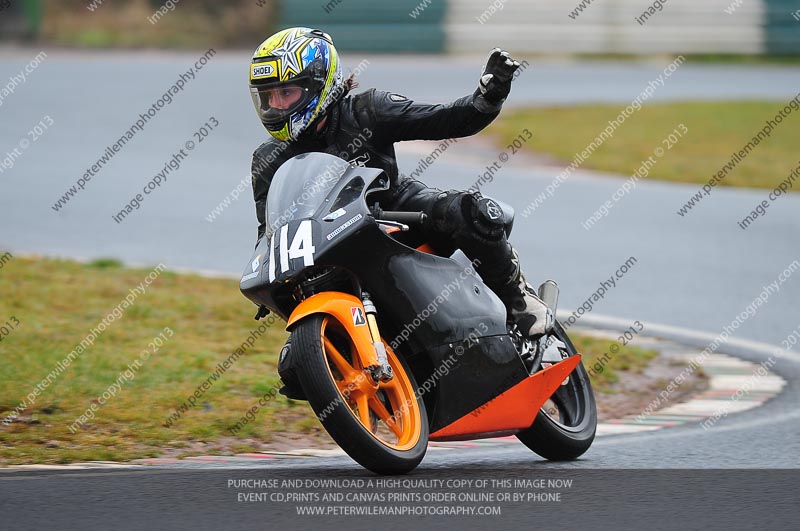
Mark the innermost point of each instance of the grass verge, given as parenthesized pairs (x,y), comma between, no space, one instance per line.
(716,130)
(54,305)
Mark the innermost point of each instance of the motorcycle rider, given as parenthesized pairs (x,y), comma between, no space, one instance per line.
(303,100)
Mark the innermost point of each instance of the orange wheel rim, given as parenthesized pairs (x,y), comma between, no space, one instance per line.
(389,411)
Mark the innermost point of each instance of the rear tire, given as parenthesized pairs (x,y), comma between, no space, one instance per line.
(565,427)
(355,414)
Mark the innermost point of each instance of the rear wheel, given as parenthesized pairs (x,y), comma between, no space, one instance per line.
(382,426)
(565,426)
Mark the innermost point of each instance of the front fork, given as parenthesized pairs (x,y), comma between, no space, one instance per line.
(383,371)
(358,317)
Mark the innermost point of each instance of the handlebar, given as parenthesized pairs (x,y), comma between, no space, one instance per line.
(412,219)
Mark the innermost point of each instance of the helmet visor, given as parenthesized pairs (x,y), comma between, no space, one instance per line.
(276,102)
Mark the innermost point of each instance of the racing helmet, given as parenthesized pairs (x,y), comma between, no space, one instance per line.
(295,75)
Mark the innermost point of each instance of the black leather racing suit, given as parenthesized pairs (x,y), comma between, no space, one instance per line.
(374,120)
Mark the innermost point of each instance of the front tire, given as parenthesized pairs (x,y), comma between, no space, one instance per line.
(383,427)
(566,425)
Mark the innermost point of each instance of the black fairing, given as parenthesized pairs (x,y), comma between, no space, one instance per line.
(433,310)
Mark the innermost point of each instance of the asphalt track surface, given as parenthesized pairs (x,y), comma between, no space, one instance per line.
(697,272)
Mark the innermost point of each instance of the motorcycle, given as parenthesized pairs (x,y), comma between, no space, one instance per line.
(373,309)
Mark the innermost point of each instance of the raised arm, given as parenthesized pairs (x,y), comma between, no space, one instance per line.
(398,118)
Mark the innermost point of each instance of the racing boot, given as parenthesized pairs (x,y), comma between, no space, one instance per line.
(524,306)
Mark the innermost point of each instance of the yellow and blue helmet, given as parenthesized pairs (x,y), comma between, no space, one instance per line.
(295,75)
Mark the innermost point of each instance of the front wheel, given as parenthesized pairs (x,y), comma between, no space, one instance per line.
(382,426)
(565,426)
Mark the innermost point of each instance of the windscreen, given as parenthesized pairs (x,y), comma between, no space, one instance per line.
(300,186)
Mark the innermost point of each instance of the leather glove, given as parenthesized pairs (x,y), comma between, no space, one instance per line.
(495,82)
